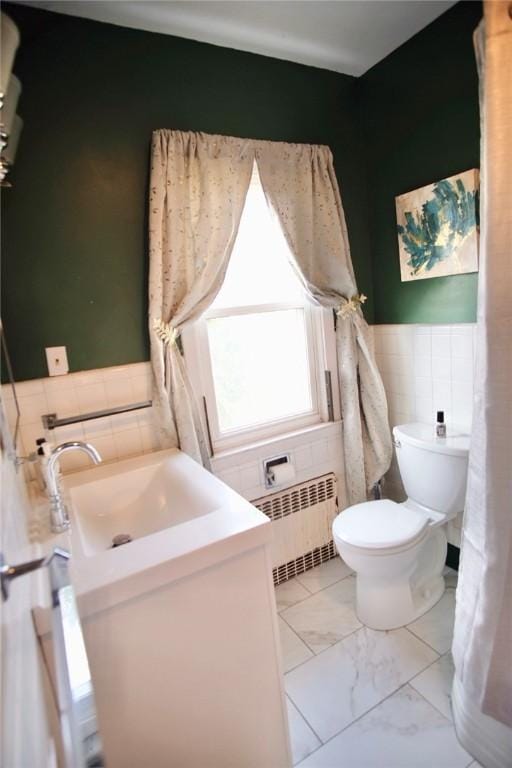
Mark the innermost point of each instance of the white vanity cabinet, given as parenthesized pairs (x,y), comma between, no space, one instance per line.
(181,633)
(188,675)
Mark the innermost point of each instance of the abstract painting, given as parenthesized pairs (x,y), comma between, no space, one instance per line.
(438,228)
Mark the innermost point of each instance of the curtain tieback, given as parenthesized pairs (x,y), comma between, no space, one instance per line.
(350,306)
(166,332)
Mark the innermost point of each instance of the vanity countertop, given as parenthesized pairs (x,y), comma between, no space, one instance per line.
(106,576)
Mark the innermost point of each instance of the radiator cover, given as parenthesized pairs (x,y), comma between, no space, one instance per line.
(302,518)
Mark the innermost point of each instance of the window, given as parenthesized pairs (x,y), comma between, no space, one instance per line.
(258,354)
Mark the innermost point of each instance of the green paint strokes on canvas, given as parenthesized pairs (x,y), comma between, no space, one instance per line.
(444,222)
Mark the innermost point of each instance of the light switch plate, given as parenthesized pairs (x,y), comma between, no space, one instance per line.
(57,360)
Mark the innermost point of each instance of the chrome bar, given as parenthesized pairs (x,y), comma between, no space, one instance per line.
(328,395)
(208,432)
(51,420)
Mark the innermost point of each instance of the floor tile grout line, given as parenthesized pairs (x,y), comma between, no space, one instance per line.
(410,681)
(363,714)
(316,655)
(425,642)
(363,626)
(449,720)
(430,702)
(327,585)
(303,585)
(280,615)
(359,717)
(306,721)
(312,594)
(406,682)
(303,643)
(439,655)
(430,665)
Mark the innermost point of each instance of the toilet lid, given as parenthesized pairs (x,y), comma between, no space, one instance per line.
(379,524)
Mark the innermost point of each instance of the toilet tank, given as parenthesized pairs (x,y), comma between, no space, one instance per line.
(433,469)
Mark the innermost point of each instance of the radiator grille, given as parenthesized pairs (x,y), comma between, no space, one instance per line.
(303,517)
(299,497)
(304,563)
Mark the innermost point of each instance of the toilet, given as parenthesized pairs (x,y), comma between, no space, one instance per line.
(398,551)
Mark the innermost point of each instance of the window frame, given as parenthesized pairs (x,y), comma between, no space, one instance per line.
(321,347)
(322,356)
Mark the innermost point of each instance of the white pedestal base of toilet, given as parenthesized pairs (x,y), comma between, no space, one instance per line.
(394,590)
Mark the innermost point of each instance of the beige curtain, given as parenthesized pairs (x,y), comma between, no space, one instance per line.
(198,187)
(301,186)
(482,645)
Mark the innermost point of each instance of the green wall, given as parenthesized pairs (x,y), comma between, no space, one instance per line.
(74,241)
(74,263)
(419,110)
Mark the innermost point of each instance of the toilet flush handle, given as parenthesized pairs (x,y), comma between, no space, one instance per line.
(397,443)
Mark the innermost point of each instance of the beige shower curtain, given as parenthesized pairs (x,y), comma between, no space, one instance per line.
(198,187)
(482,646)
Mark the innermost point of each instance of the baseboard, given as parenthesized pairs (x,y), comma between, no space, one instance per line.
(452,557)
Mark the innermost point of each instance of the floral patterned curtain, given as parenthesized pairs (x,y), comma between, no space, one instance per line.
(300,185)
(198,189)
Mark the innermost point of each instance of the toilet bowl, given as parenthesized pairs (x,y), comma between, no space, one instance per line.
(398,551)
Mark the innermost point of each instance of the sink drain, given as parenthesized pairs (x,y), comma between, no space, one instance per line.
(120,539)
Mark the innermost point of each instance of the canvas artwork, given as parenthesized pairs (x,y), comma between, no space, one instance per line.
(438,228)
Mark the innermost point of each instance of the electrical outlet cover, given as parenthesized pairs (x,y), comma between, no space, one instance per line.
(57,360)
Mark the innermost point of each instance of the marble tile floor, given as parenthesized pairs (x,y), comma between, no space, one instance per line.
(358,698)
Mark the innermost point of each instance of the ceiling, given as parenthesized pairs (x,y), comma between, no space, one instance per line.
(348,36)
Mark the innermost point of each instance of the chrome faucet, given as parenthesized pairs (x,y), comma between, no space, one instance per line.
(59,515)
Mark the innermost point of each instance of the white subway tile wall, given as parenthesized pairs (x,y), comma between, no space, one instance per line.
(116,437)
(314,452)
(425,369)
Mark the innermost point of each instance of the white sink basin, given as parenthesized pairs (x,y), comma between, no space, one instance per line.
(139,497)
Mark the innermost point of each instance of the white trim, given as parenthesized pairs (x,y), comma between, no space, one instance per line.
(321,347)
(321,355)
(252,309)
(239,438)
(299,436)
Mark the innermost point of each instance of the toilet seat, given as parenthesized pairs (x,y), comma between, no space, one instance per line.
(380,525)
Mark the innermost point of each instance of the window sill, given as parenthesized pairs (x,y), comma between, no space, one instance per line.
(314,430)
